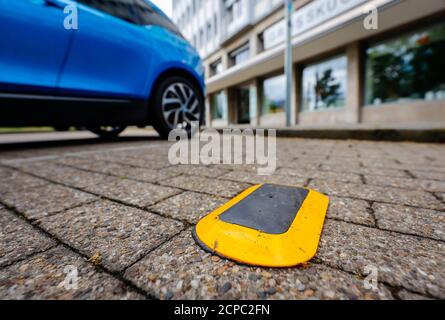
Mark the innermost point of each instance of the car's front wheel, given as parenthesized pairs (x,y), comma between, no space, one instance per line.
(178,104)
(107,132)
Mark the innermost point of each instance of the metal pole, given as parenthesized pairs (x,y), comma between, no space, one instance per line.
(288,61)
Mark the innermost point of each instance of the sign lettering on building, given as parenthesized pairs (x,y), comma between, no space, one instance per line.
(310,16)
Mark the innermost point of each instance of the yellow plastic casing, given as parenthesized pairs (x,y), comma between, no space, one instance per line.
(253,247)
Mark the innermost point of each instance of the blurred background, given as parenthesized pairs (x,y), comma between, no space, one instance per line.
(365,63)
(357,63)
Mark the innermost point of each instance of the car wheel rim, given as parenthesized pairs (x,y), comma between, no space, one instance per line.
(180,106)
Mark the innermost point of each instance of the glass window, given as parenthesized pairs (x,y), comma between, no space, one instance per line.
(216,68)
(218,106)
(407,68)
(240,55)
(274,95)
(134,11)
(234,10)
(324,84)
(243,105)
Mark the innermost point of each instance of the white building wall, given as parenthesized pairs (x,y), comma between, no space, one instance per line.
(211,14)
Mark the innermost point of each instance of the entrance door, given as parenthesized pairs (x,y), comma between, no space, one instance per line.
(243,105)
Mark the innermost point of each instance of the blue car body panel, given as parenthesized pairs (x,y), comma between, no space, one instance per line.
(33,45)
(106,57)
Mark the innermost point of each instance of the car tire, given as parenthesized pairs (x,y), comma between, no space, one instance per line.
(177,102)
(61,128)
(107,132)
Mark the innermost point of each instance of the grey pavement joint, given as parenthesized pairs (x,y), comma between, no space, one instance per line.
(43,277)
(118,234)
(19,239)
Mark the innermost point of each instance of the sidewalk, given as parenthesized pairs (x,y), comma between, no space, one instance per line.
(122,216)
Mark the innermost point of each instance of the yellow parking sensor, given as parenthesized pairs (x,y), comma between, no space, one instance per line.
(266,225)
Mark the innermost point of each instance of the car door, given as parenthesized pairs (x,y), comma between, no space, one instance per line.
(111,53)
(33,45)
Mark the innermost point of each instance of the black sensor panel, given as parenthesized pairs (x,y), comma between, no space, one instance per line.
(270,209)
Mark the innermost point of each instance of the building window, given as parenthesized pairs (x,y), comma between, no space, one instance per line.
(215,25)
(218,106)
(209,31)
(274,95)
(201,38)
(324,84)
(234,10)
(216,68)
(407,68)
(240,55)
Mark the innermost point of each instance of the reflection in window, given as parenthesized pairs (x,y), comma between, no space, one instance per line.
(324,84)
(410,67)
(134,11)
(218,106)
(240,55)
(274,95)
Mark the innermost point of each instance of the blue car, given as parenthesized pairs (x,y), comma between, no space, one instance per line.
(99,64)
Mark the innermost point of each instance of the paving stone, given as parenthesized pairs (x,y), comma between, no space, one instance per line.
(406,295)
(381,163)
(64,175)
(179,269)
(132,192)
(222,188)
(14,181)
(123,157)
(298,164)
(5,173)
(384,172)
(411,264)
(253,168)
(213,171)
(39,202)
(350,210)
(419,184)
(428,175)
(333,161)
(188,206)
(414,198)
(421,222)
(317,174)
(119,170)
(440,170)
(364,170)
(19,239)
(404,261)
(253,178)
(118,234)
(42,277)
(340,167)
(150,157)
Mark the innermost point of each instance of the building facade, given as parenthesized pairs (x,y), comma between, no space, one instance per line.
(356,62)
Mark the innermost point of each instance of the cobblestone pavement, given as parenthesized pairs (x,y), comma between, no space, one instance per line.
(122,215)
